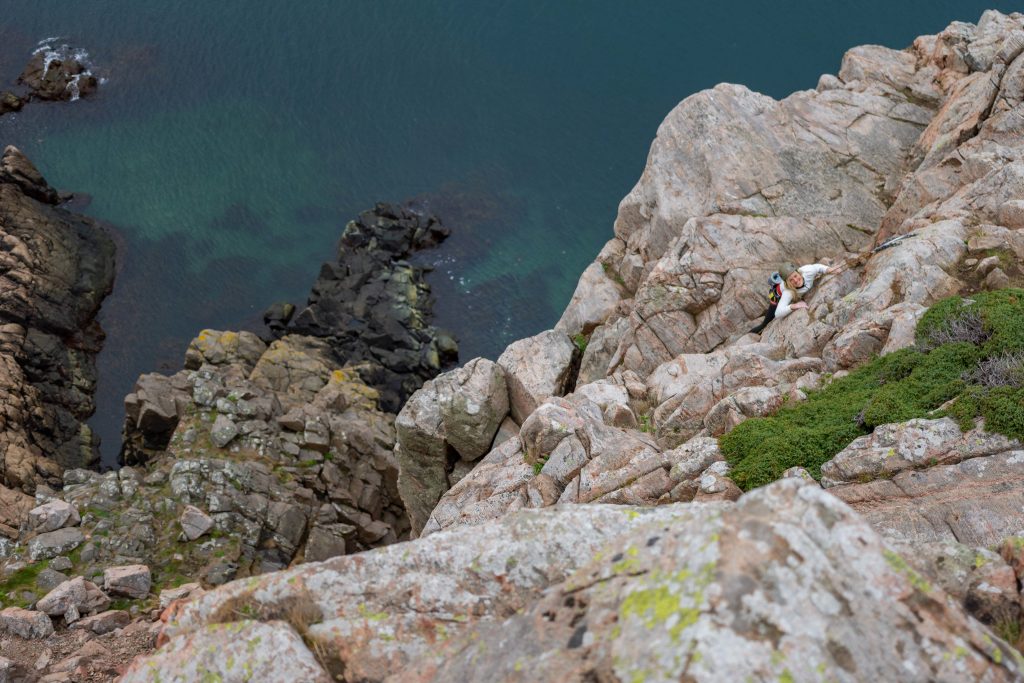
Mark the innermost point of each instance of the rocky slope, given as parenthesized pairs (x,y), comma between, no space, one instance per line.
(903,563)
(258,455)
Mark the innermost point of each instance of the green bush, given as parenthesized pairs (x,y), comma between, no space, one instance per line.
(953,336)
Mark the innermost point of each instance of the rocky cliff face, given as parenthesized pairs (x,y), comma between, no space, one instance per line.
(904,563)
(55,269)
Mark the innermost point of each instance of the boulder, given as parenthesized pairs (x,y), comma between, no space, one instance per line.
(104,622)
(67,595)
(25,623)
(132,581)
(223,431)
(194,522)
(183,592)
(52,516)
(595,298)
(696,598)
(974,501)
(54,543)
(496,568)
(457,414)
(628,593)
(536,368)
(224,348)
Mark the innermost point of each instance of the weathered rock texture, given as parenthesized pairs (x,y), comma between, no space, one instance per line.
(274,451)
(925,481)
(55,269)
(373,305)
(788,584)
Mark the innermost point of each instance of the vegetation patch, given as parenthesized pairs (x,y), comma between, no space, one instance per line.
(965,364)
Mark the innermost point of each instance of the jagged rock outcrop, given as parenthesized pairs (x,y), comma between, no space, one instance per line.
(274,451)
(373,305)
(55,269)
(771,587)
(446,426)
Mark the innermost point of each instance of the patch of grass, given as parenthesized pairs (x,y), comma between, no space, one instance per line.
(645,422)
(954,337)
(610,272)
(22,580)
(581,342)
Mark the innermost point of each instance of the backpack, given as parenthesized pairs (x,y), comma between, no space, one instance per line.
(775,292)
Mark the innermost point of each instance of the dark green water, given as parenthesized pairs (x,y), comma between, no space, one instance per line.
(232,140)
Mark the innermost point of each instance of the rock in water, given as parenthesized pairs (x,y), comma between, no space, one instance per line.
(55,269)
(375,306)
(58,73)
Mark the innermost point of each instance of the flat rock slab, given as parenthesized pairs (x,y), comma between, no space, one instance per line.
(104,622)
(54,543)
(194,522)
(132,581)
(977,502)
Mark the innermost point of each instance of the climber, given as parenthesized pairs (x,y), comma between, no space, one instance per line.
(788,284)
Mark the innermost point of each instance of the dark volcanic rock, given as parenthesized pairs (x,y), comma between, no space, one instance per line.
(375,306)
(58,74)
(55,269)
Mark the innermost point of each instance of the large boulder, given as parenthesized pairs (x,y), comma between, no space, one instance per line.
(595,298)
(454,416)
(52,515)
(536,368)
(29,624)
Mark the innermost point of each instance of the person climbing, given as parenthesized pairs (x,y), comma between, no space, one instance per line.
(788,284)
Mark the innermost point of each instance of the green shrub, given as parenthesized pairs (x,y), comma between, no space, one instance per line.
(954,337)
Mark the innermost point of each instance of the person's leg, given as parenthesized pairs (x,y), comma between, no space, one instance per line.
(768,317)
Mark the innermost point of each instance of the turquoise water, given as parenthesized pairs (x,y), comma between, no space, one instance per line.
(232,140)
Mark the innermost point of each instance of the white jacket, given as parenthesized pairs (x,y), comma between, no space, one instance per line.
(810,272)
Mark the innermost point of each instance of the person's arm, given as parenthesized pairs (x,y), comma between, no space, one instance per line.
(820,269)
(784,308)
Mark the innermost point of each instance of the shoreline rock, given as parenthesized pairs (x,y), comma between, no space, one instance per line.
(56,269)
(372,305)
